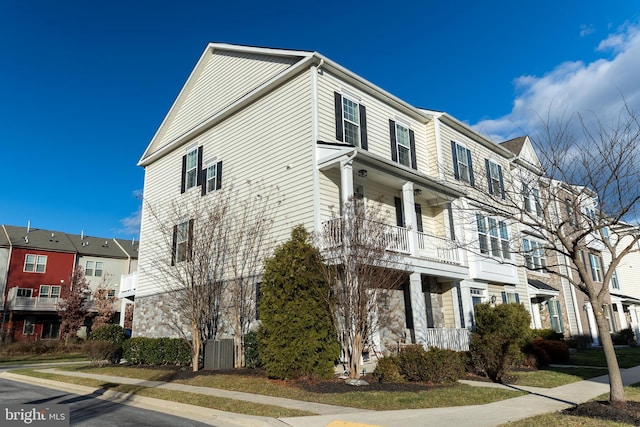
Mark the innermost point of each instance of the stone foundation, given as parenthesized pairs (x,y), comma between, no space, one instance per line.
(154,318)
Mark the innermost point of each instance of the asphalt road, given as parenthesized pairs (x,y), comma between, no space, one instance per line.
(88,410)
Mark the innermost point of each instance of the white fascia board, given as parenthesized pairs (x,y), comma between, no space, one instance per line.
(259,50)
(455,123)
(229,110)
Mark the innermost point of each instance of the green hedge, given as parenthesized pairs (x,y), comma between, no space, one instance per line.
(157,351)
(415,364)
(113,334)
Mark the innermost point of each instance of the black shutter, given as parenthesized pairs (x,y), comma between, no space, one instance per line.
(190,241)
(454,154)
(219,175)
(472,181)
(486,165)
(184,171)
(199,175)
(399,213)
(392,133)
(419,217)
(338,106)
(173,245)
(203,187)
(412,147)
(517,298)
(501,182)
(504,297)
(363,128)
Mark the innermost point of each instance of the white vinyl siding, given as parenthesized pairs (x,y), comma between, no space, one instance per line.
(281,121)
(219,80)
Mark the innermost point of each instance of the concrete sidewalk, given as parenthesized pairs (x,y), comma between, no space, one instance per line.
(538,401)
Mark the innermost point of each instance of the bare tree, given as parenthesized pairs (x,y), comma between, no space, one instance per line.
(103,303)
(190,262)
(360,269)
(582,201)
(249,244)
(73,309)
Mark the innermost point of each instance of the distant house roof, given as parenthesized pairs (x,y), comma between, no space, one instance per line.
(541,285)
(35,238)
(514,145)
(97,246)
(129,246)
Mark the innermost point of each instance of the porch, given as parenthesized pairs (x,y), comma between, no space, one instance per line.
(23,303)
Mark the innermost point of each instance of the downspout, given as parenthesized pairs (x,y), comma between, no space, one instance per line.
(315,70)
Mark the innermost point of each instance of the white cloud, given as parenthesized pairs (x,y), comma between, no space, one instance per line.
(585,30)
(600,87)
(131,224)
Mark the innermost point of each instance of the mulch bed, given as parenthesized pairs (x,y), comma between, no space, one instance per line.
(628,412)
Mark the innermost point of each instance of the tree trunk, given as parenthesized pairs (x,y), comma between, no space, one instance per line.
(196,346)
(616,392)
(355,354)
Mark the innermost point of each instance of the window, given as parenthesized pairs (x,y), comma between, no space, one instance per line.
(596,270)
(47,291)
(494,177)
(571,217)
(35,263)
(98,271)
(111,293)
(590,213)
(29,325)
(534,254)
(213,178)
(182,237)
(509,297)
(403,144)
(191,166)
(50,330)
(477,296)
(531,200)
(462,164)
(351,122)
(615,284)
(88,269)
(555,315)
(24,292)
(493,237)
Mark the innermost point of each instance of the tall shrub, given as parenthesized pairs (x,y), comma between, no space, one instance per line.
(499,334)
(297,335)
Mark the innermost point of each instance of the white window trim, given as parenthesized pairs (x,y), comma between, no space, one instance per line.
(535,251)
(596,270)
(498,190)
(182,256)
(188,169)
(492,234)
(467,152)
(30,292)
(35,263)
(89,271)
(214,178)
(407,147)
(347,97)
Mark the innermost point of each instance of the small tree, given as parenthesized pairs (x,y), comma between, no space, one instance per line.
(72,310)
(499,334)
(360,269)
(103,304)
(297,337)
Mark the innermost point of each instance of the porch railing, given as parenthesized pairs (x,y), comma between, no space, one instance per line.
(397,239)
(448,338)
(438,248)
(14,302)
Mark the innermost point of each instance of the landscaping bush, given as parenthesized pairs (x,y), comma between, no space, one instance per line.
(251,354)
(580,342)
(624,337)
(100,351)
(500,333)
(535,357)
(547,334)
(436,365)
(556,351)
(387,370)
(113,334)
(157,351)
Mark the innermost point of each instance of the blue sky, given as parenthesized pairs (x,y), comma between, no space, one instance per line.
(85,84)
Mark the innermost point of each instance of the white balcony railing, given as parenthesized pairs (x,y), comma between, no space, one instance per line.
(128,283)
(448,338)
(397,239)
(14,302)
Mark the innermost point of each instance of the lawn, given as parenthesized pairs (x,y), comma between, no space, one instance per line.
(41,358)
(556,376)
(407,396)
(627,357)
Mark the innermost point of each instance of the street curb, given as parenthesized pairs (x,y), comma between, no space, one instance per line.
(192,412)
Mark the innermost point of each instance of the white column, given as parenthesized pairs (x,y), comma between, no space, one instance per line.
(408,206)
(456,306)
(123,310)
(535,315)
(593,327)
(418,308)
(346,181)
(467,303)
(621,316)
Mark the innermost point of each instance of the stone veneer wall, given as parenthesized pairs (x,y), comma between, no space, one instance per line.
(154,318)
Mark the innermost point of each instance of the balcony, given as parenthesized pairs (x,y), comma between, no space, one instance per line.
(128,283)
(15,302)
(398,239)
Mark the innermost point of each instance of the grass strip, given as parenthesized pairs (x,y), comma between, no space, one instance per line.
(212,402)
(456,395)
(41,358)
(555,377)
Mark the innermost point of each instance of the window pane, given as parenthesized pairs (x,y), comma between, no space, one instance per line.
(211,178)
(44,291)
(98,270)
(191,172)
(351,115)
(404,156)
(402,135)
(30,263)
(192,159)
(351,134)
(55,291)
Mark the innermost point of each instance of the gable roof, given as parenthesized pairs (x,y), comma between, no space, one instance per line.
(525,154)
(515,144)
(129,246)
(35,238)
(198,87)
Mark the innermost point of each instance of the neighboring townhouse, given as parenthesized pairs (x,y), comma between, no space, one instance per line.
(39,273)
(552,298)
(322,134)
(36,270)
